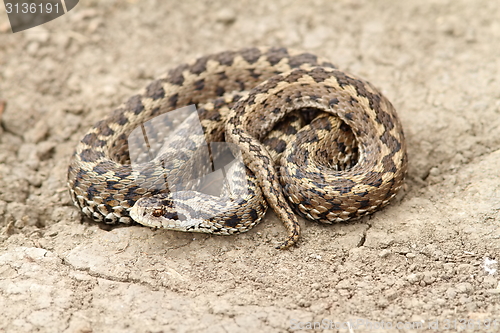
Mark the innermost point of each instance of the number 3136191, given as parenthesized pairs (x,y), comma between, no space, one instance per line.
(31,8)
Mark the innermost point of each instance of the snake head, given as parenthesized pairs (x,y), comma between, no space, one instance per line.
(166,213)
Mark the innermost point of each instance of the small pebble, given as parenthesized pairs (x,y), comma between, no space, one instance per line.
(414,278)
(384,253)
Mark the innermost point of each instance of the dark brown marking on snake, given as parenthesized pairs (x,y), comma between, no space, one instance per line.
(389,140)
(135,105)
(242,85)
(333,101)
(312,137)
(250,99)
(253,214)
(175,76)
(397,147)
(80,175)
(102,167)
(336,207)
(362,204)
(219,91)
(232,221)
(374,100)
(341,147)
(88,155)
(319,74)
(294,76)
(171,215)
(155,90)
(105,130)
(199,85)
(252,147)
(328,64)
(385,118)
(344,127)
(89,139)
(199,66)
(214,117)
(290,159)
(289,130)
(274,55)
(389,163)
(345,186)
(362,194)
(156,111)
(99,126)
(314,98)
(222,76)
(119,117)
(157,202)
(225,58)
(321,180)
(389,192)
(342,79)
(353,101)
(105,209)
(236,98)
(92,191)
(121,139)
(326,125)
(218,103)
(251,55)
(110,184)
(172,101)
(123,172)
(304,58)
(237,131)
(276,144)
(373,179)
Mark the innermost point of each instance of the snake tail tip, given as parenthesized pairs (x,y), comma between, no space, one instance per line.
(287,244)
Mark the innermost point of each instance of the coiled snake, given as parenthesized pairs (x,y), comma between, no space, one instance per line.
(322,175)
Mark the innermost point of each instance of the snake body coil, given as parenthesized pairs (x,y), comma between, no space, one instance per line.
(347,161)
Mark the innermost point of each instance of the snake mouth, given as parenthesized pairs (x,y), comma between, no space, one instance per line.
(163,213)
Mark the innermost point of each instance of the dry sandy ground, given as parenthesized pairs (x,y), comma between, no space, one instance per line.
(428,259)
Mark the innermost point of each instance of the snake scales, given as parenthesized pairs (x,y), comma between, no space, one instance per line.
(280,83)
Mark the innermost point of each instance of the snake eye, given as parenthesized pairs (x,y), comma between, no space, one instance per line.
(158,212)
